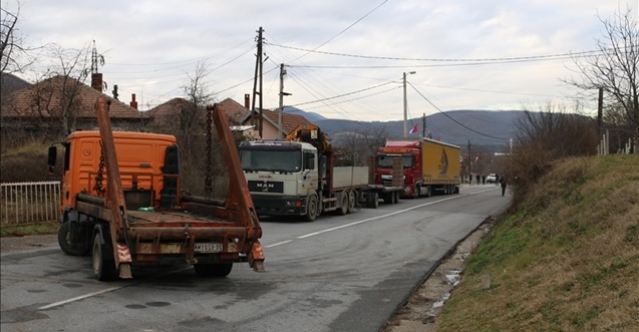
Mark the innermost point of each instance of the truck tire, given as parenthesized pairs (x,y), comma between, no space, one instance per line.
(388,198)
(64,240)
(351,201)
(374,200)
(395,197)
(312,208)
(343,202)
(417,193)
(219,270)
(102,259)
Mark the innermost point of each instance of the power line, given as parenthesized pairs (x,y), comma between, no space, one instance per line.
(559,55)
(341,32)
(457,122)
(342,95)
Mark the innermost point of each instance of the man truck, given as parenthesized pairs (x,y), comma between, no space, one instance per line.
(121,201)
(296,176)
(429,166)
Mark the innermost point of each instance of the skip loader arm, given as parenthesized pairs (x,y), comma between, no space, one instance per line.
(239,195)
(118,224)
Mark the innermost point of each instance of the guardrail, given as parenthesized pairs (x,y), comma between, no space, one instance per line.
(29,202)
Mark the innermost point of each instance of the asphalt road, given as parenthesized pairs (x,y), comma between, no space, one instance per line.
(339,273)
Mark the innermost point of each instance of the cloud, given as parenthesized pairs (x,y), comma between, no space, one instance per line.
(150,46)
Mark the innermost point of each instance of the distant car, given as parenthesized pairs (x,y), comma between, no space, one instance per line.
(491,178)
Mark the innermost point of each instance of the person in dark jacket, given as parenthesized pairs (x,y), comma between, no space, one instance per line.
(504,184)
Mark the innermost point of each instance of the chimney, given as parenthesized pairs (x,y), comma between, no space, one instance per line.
(96,81)
(247,101)
(133,103)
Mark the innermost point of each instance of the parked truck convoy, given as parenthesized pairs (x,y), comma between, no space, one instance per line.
(121,201)
(296,176)
(430,166)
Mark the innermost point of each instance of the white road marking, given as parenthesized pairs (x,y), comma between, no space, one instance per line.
(112,289)
(78,298)
(278,244)
(387,215)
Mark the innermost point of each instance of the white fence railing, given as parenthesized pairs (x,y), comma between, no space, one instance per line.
(29,202)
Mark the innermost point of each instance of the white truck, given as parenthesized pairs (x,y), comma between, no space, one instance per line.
(296,177)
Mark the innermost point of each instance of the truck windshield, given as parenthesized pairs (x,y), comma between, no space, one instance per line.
(271,160)
(386,161)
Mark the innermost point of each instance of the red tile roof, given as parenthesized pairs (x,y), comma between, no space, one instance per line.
(44,99)
(289,121)
(234,110)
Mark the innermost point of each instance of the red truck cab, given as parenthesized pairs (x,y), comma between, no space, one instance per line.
(411,154)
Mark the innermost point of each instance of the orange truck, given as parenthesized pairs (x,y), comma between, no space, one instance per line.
(430,166)
(121,202)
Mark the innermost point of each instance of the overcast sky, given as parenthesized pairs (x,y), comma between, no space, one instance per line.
(362,48)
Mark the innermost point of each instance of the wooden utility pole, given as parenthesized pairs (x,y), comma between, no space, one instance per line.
(424,125)
(282,94)
(600,111)
(470,161)
(258,74)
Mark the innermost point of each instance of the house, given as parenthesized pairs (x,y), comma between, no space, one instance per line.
(270,124)
(62,103)
(181,113)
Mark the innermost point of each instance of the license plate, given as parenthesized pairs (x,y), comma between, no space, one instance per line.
(208,247)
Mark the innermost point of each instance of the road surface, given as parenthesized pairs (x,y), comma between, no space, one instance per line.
(339,273)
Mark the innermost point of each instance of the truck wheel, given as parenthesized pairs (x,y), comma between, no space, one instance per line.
(219,270)
(417,193)
(388,198)
(312,208)
(395,197)
(343,201)
(375,200)
(351,201)
(103,264)
(64,240)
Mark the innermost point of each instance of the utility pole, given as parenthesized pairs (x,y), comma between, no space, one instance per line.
(258,74)
(406,105)
(424,125)
(282,94)
(470,161)
(599,111)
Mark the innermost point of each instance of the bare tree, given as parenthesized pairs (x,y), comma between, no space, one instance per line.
(65,82)
(543,137)
(11,43)
(614,67)
(192,114)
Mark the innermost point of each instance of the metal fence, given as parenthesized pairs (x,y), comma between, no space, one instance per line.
(29,202)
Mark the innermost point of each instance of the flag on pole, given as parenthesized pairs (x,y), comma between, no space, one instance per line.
(413,130)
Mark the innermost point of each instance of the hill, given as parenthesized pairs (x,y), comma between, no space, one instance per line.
(487,128)
(566,260)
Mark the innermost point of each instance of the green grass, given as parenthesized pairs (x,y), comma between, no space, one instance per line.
(566,260)
(35,229)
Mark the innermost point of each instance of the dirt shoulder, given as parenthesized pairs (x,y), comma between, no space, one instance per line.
(423,306)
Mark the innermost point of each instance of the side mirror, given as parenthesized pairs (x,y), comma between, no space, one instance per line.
(53,156)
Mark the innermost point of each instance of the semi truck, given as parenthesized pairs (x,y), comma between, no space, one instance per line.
(122,203)
(429,166)
(296,176)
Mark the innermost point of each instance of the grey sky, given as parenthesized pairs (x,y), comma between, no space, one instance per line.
(150,46)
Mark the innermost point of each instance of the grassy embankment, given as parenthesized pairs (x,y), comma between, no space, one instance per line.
(566,260)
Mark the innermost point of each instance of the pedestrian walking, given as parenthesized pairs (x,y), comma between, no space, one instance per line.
(504,184)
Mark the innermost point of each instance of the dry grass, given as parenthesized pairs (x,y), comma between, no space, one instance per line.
(566,260)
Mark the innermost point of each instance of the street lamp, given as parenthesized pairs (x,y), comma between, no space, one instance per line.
(406,106)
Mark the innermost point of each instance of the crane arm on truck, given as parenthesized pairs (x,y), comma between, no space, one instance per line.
(311,134)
